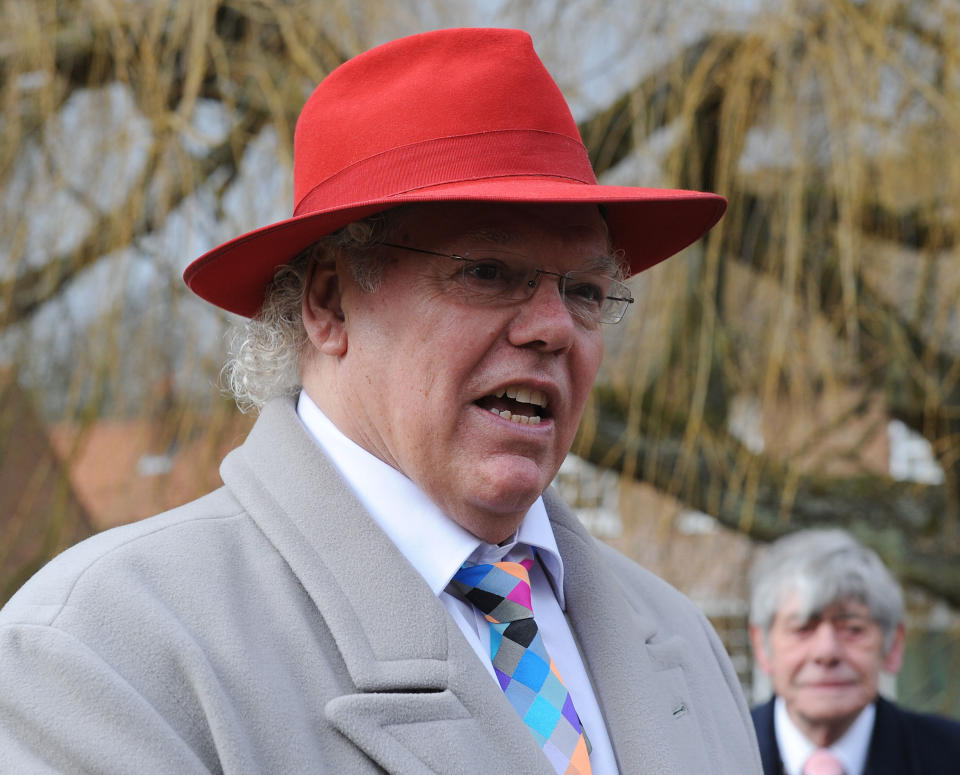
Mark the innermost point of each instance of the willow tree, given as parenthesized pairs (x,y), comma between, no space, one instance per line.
(137,134)
(835,271)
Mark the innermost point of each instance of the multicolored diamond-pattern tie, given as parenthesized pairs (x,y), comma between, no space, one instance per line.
(527,675)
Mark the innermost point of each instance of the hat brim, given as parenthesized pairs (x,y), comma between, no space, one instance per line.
(648,224)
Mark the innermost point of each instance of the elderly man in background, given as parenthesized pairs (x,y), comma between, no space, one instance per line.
(826,619)
(385,582)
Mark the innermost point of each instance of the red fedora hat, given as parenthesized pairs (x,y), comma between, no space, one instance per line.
(450,115)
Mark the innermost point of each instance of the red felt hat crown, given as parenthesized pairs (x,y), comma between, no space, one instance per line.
(462,114)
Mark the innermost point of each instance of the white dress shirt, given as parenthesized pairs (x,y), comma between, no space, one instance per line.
(851,749)
(437,546)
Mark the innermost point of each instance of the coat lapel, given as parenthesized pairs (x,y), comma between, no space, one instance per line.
(637,673)
(888,754)
(767,738)
(422,700)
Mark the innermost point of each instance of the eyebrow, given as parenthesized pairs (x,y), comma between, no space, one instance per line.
(819,616)
(602,263)
(488,235)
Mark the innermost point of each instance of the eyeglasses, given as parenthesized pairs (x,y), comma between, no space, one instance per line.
(491,276)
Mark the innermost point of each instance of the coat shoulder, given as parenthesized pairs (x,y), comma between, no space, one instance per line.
(137,545)
(923,742)
(648,592)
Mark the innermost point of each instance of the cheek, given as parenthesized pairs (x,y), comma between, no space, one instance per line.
(789,659)
(793,665)
(869,664)
(586,368)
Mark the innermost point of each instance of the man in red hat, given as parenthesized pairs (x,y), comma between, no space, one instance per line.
(385,581)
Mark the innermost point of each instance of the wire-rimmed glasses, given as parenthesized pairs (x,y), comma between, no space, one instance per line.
(490,275)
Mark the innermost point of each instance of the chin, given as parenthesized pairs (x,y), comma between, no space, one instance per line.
(512,481)
(507,502)
(835,709)
(499,514)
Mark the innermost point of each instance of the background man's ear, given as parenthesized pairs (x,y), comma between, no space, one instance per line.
(759,642)
(894,656)
(323,316)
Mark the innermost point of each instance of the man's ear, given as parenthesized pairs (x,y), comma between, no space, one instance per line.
(323,316)
(894,656)
(758,640)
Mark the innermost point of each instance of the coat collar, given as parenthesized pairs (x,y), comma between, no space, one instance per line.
(638,673)
(406,659)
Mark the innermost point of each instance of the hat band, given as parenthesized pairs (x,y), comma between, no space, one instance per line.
(458,159)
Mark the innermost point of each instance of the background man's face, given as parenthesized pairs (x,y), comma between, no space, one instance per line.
(422,364)
(825,667)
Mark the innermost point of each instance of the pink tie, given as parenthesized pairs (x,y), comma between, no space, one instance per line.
(822,762)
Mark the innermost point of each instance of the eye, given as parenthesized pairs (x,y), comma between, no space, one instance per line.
(493,278)
(485,270)
(804,629)
(852,630)
(585,292)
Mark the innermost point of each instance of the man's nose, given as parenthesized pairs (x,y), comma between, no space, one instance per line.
(543,319)
(826,644)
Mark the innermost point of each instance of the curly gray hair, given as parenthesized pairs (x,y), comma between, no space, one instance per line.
(266,351)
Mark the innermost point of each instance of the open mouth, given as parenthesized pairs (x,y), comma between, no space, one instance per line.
(517,404)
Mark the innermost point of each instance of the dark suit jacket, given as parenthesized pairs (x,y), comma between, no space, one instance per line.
(903,742)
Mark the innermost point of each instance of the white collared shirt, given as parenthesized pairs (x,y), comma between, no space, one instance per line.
(437,546)
(851,749)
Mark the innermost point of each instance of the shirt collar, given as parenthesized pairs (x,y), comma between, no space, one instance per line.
(851,749)
(432,542)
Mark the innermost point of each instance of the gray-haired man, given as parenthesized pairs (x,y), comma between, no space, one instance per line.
(826,618)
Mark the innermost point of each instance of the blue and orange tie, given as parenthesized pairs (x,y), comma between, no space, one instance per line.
(527,675)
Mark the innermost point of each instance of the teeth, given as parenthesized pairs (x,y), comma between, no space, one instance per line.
(525,395)
(506,414)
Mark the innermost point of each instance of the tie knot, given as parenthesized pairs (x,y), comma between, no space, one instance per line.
(501,591)
(822,762)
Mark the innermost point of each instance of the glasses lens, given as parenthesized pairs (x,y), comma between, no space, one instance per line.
(490,276)
(497,276)
(596,297)
(585,294)
(616,304)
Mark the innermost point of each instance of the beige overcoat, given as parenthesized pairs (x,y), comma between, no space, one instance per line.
(272,627)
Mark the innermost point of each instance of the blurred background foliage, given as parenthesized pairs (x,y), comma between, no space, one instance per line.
(768,379)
